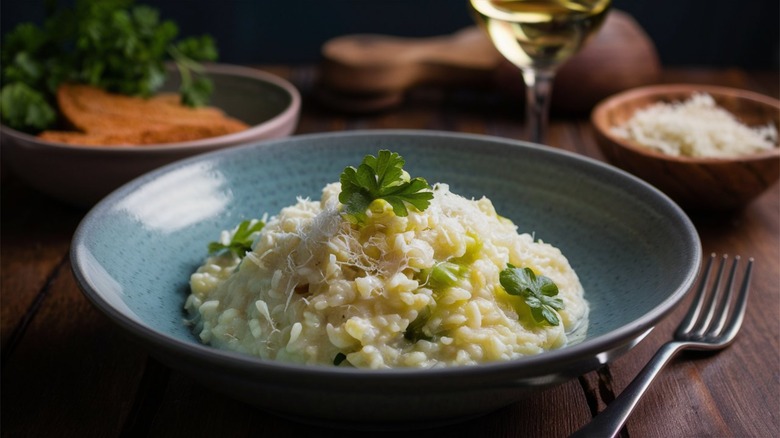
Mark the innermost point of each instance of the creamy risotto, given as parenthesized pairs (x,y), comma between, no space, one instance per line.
(420,290)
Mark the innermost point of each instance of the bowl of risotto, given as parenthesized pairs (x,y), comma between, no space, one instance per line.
(406,277)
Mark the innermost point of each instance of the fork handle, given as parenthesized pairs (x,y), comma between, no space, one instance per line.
(609,422)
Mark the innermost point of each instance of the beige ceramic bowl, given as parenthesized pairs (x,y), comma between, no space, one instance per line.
(694,183)
(82,175)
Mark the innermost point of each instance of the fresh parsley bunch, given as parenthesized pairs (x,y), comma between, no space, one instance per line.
(111,44)
(381,177)
(538,291)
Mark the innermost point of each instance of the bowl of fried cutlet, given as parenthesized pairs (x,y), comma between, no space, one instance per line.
(103,139)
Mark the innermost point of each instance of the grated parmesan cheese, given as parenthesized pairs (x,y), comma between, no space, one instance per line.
(696,128)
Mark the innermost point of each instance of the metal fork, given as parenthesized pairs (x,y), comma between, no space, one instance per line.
(706,327)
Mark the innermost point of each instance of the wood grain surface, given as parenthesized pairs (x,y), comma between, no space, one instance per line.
(67,371)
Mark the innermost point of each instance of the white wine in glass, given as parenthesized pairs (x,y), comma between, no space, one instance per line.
(538,36)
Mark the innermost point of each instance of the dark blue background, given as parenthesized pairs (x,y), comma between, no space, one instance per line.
(740,33)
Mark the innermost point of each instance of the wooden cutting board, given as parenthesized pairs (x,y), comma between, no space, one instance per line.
(369,72)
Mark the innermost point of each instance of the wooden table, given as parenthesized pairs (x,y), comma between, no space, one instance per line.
(68,371)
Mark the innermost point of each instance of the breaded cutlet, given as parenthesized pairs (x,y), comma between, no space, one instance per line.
(106,118)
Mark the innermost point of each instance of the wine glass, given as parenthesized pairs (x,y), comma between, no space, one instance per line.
(538,36)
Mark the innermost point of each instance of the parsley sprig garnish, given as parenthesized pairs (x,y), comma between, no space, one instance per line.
(538,291)
(381,177)
(242,239)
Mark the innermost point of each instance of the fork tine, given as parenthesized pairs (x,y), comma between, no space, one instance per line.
(739,307)
(712,299)
(726,299)
(693,313)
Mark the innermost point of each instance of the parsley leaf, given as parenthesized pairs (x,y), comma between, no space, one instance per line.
(25,108)
(381,177)
(195,87)
(241,242)
(537,291)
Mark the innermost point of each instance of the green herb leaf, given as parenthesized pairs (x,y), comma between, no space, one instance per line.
(198,48)
(381,177)
(197,92)
(195,88)
(241,242)
(340,357)
(539,292)
(25,108)
(415,330)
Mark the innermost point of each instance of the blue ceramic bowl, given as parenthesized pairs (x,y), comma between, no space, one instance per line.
(635,251)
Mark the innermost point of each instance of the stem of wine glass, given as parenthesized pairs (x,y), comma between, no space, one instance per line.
(538,91)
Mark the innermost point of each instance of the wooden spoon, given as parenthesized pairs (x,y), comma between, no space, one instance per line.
(369,72)
(366,72)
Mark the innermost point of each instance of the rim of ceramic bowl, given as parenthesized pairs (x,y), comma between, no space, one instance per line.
(494,374)
(238,137)
(600,112)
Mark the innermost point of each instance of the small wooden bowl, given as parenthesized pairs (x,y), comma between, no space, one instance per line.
(714,184)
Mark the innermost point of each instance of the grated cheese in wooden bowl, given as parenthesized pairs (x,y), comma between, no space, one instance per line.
(697,127)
